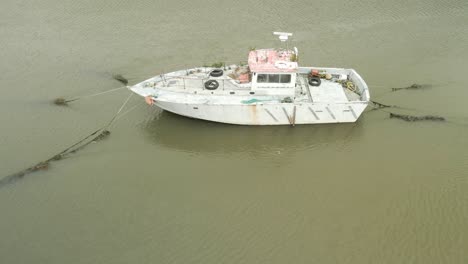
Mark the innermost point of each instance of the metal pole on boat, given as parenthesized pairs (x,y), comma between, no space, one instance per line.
(294,117)
(163,79)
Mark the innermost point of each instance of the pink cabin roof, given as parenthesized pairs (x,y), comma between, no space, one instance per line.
(270,60)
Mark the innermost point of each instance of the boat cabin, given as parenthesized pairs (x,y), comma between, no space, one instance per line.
(273,68)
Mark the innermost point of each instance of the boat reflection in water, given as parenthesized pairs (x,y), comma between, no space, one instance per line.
(197,136)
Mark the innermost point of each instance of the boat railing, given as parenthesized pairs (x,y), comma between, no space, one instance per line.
(205,68)
(363,89)
(189,82)
(225,83)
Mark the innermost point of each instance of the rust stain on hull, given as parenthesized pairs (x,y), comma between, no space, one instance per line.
(253,113)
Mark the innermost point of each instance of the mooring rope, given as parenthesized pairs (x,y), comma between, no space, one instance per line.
(96,94)
(79,142)
(104,131)
(120,110)
(98,134)
(128,111)
(380,106)
(414,86)
(63,101)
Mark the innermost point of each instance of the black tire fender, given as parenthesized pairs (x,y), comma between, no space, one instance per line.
(211,85)
(216,73)
(315,81)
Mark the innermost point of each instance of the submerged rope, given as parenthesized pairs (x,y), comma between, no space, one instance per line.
(98,134)
(411,118)
(412,87)
(408,118)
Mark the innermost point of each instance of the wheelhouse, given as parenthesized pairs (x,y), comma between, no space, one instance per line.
(273,70)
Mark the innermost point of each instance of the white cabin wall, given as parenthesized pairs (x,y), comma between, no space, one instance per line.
(286,89)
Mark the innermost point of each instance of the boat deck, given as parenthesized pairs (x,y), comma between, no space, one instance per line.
(195,80)
(192,82)
(328,91)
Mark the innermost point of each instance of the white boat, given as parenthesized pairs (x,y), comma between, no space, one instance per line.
(270,89)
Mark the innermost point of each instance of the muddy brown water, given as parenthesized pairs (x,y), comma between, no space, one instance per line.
(167,189)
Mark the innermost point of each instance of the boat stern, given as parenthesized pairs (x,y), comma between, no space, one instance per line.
(361,85)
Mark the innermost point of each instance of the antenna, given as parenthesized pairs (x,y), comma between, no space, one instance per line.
(283,36)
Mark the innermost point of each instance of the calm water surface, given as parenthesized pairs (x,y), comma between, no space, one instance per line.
(166,189)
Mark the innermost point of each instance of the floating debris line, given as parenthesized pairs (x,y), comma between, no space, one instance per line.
(95,136)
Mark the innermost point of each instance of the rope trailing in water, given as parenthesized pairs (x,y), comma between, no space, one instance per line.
(411,118)
(407,118)
(95,136)
(120,110)
(411,87)
(63,101)
(378,105)
(394,89)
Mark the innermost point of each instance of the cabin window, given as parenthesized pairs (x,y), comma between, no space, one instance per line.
(273,78)
(285,78)
(262,78)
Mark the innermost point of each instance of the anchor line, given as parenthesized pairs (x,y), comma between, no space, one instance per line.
(63,101)
(104,130)
(72,149)
(120,110)
(96,94)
